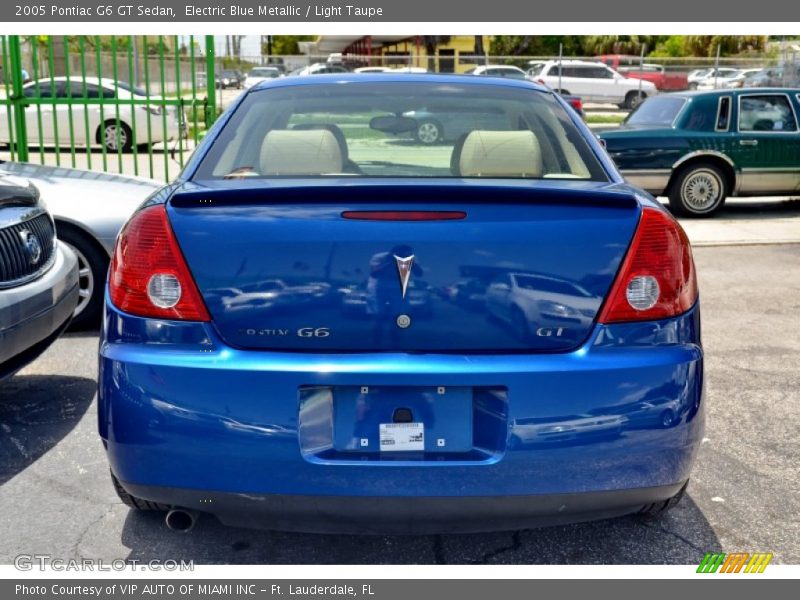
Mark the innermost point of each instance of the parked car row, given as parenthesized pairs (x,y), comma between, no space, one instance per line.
(730,78)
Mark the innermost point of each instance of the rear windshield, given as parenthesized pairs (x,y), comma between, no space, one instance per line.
(400,129)
(264,72)
(660,110)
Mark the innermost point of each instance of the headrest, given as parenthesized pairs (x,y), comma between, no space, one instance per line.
(501,154)
(300,152)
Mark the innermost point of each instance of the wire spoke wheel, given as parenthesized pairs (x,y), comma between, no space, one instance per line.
(701,190)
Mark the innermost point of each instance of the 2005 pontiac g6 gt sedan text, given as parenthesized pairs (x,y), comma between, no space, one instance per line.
(325,325)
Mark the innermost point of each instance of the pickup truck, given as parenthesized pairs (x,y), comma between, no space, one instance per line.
(664,80)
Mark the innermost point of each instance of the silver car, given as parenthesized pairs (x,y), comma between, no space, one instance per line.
(38,277)
(89,208)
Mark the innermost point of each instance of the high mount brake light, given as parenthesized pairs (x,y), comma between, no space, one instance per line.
(405,215)
(657,279)
(149,276)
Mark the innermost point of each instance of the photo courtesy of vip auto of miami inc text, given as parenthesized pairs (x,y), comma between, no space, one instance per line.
(379,299)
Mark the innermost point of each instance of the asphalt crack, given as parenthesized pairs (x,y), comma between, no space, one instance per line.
(516,544)
(439,557)
(663,529)
(88,528)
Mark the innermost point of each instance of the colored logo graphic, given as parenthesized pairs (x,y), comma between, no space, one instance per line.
(738,562)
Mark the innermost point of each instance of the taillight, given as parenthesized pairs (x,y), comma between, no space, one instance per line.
(149,276)
(657,279)
(577,104)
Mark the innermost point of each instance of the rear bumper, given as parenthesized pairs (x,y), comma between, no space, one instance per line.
(417,515)
(189,421)
(32,315)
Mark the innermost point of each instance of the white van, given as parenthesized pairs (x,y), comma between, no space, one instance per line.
(593,82)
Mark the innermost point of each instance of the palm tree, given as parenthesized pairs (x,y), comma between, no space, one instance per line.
(431,43)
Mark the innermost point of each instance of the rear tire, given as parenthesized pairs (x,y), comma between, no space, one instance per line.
(134,502)
(659,509)
(698,190)
(634,99)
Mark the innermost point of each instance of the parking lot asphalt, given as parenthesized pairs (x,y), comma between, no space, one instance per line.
(56,497)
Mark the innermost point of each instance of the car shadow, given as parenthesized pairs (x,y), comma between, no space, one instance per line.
(33,419)
(757,208)
(682,536)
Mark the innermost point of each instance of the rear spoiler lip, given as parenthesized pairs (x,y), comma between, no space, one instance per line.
(346,192)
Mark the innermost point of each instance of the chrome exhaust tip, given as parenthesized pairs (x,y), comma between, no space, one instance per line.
(181,520)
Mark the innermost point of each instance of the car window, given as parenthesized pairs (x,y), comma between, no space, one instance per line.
(766,112)
(536,71)
(583,72)
(659,110)
(723,114)
(136,91)
(602,73)
(263,73)
(89,91)
(401,129)
(44,89)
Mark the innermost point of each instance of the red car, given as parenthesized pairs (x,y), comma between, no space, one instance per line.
(629,67)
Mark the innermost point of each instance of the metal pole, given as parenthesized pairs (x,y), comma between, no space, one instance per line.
(560,56)
(211,83)
(641,70)
(137,67)
(17,103)
(716,67)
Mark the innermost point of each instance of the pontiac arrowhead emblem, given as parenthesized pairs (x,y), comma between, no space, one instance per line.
(404,270)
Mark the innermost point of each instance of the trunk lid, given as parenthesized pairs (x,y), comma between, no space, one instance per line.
(525,269)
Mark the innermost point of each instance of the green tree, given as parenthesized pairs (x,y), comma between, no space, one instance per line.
(672,46)
(535,45)
(619,44)
(431,43)
(706,45)
(286,44)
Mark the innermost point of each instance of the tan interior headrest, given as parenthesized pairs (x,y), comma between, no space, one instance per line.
(501,154)
(300,152)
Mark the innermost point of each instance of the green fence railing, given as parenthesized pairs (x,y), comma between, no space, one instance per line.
(136,105)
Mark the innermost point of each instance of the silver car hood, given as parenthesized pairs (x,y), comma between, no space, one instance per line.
(99,203)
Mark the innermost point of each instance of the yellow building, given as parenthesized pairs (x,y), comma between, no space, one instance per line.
(443,54)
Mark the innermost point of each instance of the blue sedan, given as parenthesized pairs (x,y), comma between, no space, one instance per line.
(282,348)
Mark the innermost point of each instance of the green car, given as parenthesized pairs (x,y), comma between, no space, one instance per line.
(698,148)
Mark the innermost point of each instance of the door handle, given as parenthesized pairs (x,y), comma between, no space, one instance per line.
(748,142)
